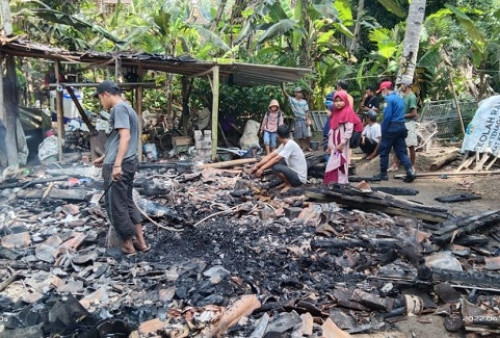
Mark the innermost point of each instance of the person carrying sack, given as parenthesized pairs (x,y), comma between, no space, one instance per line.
(269,126)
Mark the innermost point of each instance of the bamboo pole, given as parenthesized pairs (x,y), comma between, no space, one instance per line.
(455,98)
(138,105)
(60,112)
(215,111)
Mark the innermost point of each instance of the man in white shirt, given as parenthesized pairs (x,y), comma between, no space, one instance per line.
(287,162)
(371,136)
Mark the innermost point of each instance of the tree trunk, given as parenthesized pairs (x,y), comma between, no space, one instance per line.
(187,85)
(218,15)
(306,50)
(11,111)
(7,18)
(408,61)
(236,17)
(354,43)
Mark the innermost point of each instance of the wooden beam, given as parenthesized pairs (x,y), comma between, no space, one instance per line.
(60,112)
(95,84)
(138,109)
(215,111)
(453,173)
(229,164)
(205,72)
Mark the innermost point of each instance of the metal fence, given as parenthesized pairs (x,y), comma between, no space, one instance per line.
(318,120)
(445,115)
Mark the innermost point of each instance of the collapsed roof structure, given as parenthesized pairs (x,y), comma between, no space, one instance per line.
(234,73)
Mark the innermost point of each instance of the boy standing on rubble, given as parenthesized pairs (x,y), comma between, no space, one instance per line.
(119,165)
(287,162)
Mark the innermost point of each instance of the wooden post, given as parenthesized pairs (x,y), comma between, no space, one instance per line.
(138,108)
(215,110)
(118,67)
(60,112)
(455,97)
(2,107)
(11,104)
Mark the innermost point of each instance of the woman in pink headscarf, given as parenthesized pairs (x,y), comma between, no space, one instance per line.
(343,122)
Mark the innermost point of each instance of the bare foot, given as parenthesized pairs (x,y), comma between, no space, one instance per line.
(143,248)
(281,186)
(140,243)
(285,188)
(128,247)
(393,168)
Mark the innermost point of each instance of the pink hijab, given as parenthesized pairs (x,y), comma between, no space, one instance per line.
(344,115)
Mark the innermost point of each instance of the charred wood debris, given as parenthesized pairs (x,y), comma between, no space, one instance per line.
(232,256)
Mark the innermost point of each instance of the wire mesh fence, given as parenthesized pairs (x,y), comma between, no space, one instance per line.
(445,115)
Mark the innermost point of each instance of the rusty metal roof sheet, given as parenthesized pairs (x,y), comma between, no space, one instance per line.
(243,74)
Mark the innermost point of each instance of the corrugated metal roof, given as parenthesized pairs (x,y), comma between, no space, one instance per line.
(242,74)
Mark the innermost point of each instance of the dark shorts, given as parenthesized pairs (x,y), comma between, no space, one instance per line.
(291,175)
(120,206)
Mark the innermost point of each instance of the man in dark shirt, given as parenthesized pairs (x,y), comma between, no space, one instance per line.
(393,133)
(119,165)
(370,100)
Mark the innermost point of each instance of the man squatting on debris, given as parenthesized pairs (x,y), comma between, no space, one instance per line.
(287,162)
(119,165)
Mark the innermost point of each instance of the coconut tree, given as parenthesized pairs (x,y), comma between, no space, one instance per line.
(408,61)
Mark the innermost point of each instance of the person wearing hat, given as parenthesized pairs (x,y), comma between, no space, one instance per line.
(270,123)
(411,115)
(393,133)
(300,110)
(371,135)
(119,164)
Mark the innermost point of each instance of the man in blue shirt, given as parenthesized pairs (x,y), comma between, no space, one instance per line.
(393,133)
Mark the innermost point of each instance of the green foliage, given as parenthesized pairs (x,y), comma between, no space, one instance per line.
(394,6)
(307,33)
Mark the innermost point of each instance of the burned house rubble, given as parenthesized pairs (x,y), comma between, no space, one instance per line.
(233,257)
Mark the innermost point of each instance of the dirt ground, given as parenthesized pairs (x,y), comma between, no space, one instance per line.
(431,187)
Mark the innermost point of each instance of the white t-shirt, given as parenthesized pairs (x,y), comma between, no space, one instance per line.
(294,158)
(373,132)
